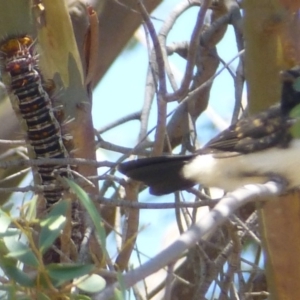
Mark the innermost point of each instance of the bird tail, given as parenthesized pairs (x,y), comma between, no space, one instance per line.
(162,174)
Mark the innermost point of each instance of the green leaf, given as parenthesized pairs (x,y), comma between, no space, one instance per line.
(59,209)
(21,252)
(67,272)
(5,221)
(52,226)
(91,209)
(14,273)
(50,232)
(10,232)
(90,283)
(4,259)
(7,207)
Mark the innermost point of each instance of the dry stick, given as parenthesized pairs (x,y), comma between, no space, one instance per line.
(178,214)
(229,70)
(236,21)
(148,100)
(208,224)
(165,30)
(133,116)
(189,97)
(29,188)
(168,282)
(20,151)
(192,55)
(20,173)
(84,251)
(196,91)
(162,90)
(248,286)
(157,49)
(118,228)
(233,262)
(151,82)
(221,260)
(139,149)
(238,91)
(257,295)
(12,142)
(150,89)
(56,161)
(163,205)
(247,229)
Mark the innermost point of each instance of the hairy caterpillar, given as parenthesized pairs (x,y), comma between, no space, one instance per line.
(31,100)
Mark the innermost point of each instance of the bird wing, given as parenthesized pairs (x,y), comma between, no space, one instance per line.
(264,130)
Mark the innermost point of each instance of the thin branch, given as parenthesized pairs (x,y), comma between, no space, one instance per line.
(207,224)
(13,142)
(162,89)
(192,54)
(145,205)
(165,30)
(133,116)
(157,49)
(55,161)
(196,91)
(10,177)
(138,150)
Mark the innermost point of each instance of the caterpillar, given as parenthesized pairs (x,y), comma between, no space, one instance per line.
(32,102)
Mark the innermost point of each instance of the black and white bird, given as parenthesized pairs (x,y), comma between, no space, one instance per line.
(250,151)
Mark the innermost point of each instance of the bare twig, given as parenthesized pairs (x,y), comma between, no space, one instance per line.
(13,142)
(56,161)
(20,173)
(192,55)
(162,90)
(133,116)
(165,30)
(207,224)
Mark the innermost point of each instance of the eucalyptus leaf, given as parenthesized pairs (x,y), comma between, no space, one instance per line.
(10,232)
(59,209)
(5,221)
(67,272)
(20,251)
(92,283)
(51,229)
(14,273)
